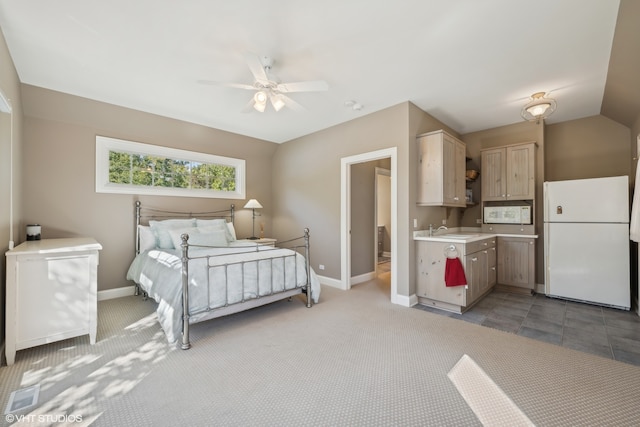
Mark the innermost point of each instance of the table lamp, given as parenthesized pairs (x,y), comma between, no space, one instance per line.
(253,204)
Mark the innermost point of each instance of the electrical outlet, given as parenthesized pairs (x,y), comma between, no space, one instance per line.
(444,222)
(321,267)
(415,223)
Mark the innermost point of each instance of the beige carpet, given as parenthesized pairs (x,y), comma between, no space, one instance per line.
(353,359)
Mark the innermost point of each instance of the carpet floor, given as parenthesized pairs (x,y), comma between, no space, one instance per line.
(353,359)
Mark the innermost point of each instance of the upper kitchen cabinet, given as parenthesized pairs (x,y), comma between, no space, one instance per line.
(508,172)
(441,170)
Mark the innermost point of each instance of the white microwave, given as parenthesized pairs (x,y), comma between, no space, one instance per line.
(507,214)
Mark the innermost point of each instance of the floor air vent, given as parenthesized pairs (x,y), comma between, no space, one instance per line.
(23,398)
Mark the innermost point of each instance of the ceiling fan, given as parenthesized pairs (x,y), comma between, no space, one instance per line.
(268,88)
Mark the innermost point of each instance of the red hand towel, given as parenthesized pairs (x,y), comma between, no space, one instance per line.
(454,273)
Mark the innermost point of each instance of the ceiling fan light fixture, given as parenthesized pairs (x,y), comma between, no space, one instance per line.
(260,101)
(538,108)
(277,102)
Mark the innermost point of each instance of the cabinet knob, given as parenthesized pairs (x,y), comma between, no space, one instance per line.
(456,198)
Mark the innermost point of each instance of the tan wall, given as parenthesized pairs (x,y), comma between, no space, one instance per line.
(306,180)
(10,87)
(59,173)
(307,184)
(587,148)
(298,182)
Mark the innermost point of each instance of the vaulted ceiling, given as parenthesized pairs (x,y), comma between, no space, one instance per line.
(471,64)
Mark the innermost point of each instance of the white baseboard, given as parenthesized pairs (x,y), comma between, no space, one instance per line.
(116,293)
(363,278)
(334,283)
(405,301)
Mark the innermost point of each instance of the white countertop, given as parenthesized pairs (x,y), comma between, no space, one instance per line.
(462,236)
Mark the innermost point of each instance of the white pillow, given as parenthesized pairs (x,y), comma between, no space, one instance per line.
(161,230)
(200,237)
(176,235)
(213,238)
(219,224)
(232,231)
(147,238)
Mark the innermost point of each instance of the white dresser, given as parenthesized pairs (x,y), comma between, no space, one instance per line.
(51,292)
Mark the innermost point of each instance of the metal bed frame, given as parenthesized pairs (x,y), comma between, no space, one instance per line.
(243,304)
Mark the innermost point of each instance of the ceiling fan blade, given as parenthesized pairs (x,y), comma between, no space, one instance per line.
(308,86)
(234,85)
(249,107)
(291,103)
(256,67)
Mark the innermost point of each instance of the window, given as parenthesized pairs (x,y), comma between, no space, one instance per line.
(133,168)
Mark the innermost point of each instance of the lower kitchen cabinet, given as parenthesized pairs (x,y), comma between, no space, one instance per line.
(480,268)
(516,262)
(479,261)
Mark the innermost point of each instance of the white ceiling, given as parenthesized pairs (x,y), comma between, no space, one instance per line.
(471,64)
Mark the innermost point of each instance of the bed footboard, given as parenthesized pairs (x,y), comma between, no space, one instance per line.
(244,304)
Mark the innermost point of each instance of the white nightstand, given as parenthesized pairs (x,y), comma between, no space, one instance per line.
(266,241)
(52,288)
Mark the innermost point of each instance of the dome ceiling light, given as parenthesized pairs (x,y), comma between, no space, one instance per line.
(538,108)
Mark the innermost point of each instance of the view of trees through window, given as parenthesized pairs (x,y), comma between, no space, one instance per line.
(154,171)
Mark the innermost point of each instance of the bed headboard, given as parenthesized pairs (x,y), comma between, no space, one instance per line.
(145,214)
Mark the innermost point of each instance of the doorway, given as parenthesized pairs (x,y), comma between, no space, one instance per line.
(345,214)
(382,220)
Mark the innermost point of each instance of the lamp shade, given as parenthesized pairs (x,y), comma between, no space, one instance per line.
(538,108)
(253,204)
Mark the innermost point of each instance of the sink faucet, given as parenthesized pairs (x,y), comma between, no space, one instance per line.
(431,230)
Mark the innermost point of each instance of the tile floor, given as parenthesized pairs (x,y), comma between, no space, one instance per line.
(606,332)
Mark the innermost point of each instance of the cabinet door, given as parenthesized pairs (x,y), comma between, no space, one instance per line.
(430,269)
(449,171)
(483,281)
(520,172)
(493,174)
(516,262)
(57,289)
(473,272)
(459,173)
(441,171)
(430,171)
(492,271)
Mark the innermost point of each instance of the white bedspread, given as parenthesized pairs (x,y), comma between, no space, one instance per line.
(158,273)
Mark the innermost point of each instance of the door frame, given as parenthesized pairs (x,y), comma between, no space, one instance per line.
(345,214)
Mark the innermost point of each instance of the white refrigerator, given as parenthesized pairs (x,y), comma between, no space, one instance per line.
(586,240)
